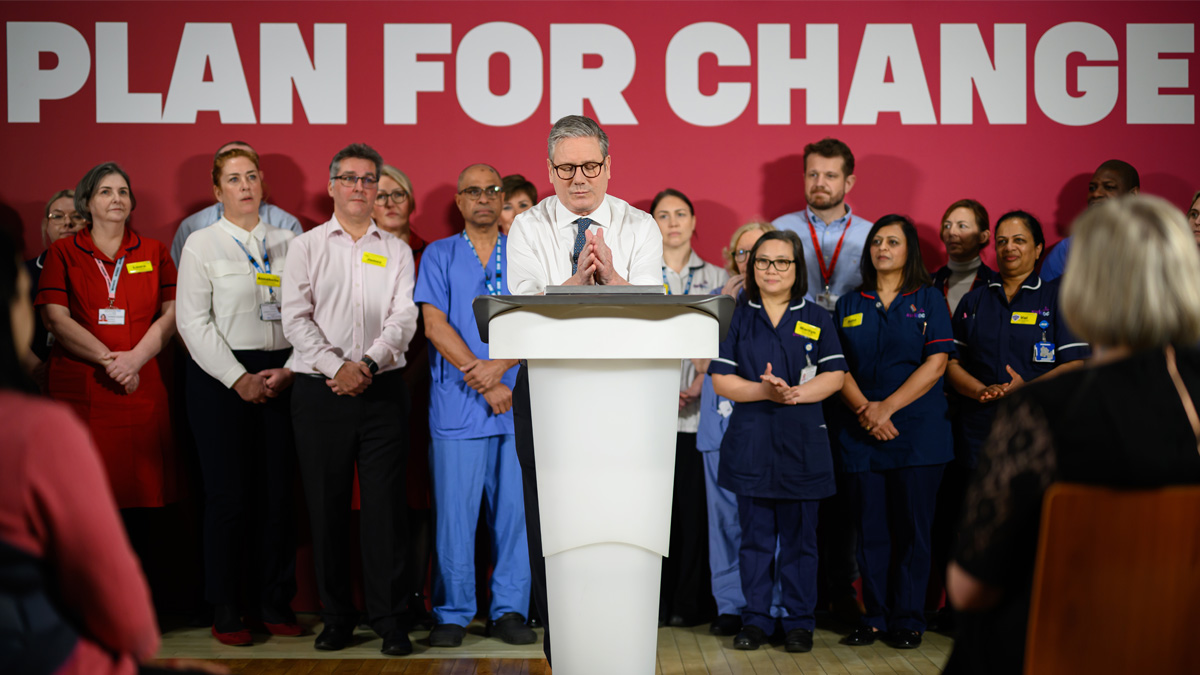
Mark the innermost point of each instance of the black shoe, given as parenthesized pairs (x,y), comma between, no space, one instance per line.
(798,640)
(396,643)
(904,639)
(861,637)
(334,637)
(511,628)
(750,637)
(726,624)
(447,635)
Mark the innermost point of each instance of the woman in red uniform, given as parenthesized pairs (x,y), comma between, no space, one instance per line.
(108,296)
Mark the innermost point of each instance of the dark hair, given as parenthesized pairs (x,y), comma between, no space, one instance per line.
(976,209)
(1125,170)
(671,192)
(800,286)
(91,181)
(914,274)
(355,151)
(1035,228)
(829,148)
(12,372)
(517,183)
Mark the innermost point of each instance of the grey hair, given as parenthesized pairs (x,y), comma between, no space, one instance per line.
(355,151)
(576,126)
(1133,278)
(91,182)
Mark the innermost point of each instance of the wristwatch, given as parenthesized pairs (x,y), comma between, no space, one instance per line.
(371,365)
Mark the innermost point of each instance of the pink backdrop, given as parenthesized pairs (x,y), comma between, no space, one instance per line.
(733,171)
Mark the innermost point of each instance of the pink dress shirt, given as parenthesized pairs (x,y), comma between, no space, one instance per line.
(345,299)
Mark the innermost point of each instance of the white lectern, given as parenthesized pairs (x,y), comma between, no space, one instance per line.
(604,391)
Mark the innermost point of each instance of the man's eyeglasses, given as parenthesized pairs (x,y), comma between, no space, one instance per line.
(395,196)
(567,171)
(58,218)
(477,192)
(781,264)
(350,180)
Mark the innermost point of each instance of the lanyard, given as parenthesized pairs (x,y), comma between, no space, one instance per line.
(686,289)
(827,273)
(492,290)
(266,266)
(112,282)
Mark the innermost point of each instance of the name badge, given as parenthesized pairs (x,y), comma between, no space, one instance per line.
(269,311)
(136,267)
(263,279)
(1024,318)
(110,316)
(808,330)
(1043,352)
(374,259)
(852,320)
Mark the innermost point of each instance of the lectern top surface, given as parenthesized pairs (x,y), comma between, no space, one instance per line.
(487,307)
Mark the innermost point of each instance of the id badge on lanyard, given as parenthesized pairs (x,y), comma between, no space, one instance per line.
(826,298)
(111,315)
(1043,352)
(267,311)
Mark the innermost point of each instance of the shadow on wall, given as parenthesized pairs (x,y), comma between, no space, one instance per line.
(1171,188)
(193,181)
(281,174)
(10,222)
(1072,200)
(444,218)
(783,186)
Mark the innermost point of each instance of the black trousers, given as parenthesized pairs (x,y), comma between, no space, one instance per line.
(685,590)
(333,435)
(523,421)
(247,458)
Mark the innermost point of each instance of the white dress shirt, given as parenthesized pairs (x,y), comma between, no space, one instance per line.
(338,306)
(542,240)
(217,299)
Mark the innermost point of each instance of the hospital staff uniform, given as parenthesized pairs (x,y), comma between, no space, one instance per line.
(472,451)
(776,458)
(724,532)
(894,484)
(132,430)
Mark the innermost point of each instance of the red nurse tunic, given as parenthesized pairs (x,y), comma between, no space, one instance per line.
(132,431)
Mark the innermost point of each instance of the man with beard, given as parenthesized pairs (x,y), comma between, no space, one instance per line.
(833,236)
(1113,178)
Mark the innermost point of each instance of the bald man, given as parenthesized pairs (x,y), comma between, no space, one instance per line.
(1113,178)
(473,452)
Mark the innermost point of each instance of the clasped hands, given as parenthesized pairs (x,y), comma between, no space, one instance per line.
(264,385)
(123,368)
(483,375)
(998,391)
(595,264)
(778,390)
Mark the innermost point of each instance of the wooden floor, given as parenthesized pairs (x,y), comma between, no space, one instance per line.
(681,651)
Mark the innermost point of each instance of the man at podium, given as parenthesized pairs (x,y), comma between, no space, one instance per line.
(579,236)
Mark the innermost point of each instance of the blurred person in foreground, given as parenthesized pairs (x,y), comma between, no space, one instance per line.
(1133,291)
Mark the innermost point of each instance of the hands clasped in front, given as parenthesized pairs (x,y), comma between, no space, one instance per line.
(483,376)
(778,390)
(264,385)
(351,379)
(999,391)
(595,264)
(123,368)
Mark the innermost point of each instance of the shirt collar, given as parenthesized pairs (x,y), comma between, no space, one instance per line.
(814,218)
(694,262)
(259,232)
(1031,282)
(337,227)
(601,217)
(129,242)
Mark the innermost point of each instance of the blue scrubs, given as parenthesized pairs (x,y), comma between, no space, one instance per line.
(991,333)
(893,484)
(472,450)
(776,458)
(724,531)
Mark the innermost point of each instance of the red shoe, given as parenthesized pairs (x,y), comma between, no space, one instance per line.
(284,629)
(238,638)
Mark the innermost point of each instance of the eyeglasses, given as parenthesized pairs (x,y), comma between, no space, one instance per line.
(350,180)
(395,196)
(477,192)
(567,171)
(740,254)
(58,218)
(781,264)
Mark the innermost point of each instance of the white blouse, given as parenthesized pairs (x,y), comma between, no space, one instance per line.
(218,300)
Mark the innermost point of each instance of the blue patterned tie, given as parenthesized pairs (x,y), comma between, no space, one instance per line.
(580,239)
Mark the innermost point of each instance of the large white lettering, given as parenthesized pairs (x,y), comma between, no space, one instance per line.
(320,83)
(966,68)
(227,93)
(1098,83)
(779,73)
(907,93)
(28,84)
(114,102)
(471,69)
(1145,73)
(571,83)
(683,74)
(403,75)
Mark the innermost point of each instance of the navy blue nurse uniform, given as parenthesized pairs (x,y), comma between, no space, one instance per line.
(776,458)
(990,332)
(893,484)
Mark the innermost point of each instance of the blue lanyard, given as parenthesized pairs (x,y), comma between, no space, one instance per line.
(492,290)
(266,266)
(686,289)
